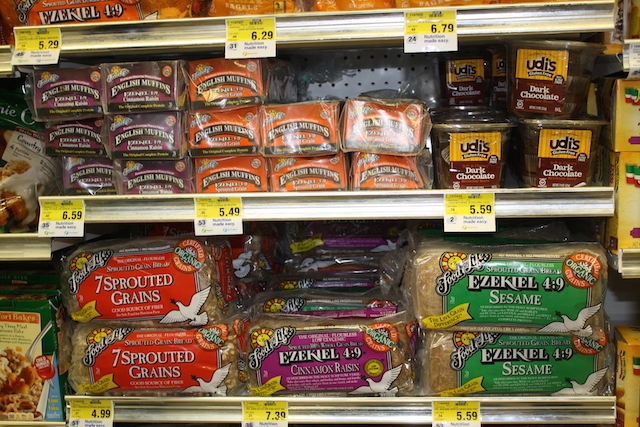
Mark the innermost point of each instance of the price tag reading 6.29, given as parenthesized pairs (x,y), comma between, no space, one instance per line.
(250,38)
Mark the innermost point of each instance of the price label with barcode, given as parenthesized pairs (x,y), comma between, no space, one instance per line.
(91,413)
(218,216)
(61,218)
(250,38)
(456,414)
(36,46)
(434,31)
(265,414)
(469,212)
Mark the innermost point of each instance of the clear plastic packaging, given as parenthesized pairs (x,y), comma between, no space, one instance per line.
(308,173)
(231,174)
(85,138)
(385,126)
(465,77)
(557,153)
(153,176)
(87,176)
(549,79)
(371,171)
(228,132)
(301,129)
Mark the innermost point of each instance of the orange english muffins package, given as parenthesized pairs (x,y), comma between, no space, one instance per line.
(224,132)
(370,171)
(300,129)
(385,126)
(251,7)
(231,174)
(308,173)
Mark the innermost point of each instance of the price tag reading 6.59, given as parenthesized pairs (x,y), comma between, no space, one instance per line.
(61,218)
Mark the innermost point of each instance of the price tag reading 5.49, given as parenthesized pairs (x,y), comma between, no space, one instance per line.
(218,216)
(430,31)
(460,414)
(61,218)
(469,212)
(250,38)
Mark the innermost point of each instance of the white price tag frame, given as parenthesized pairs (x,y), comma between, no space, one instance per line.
(91,413)
(469,212)
(61,218)
(434,31)
(250,38)
(217,216)
(36,46)
(265,414)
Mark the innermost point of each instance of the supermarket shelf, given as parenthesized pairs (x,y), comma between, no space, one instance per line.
(348,29)
(427,204)
(628,263)
(18,247)
(32,423)
(6,70)
(314,410)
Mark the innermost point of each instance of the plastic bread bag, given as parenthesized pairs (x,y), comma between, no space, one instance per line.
(463,363)
(224,132)
(336,281)
(345,357)
(145,176)
(87,176)
(371,303)
(336,5)
(115,359)
(26,173)
(385,126)
(63,94)
(370,171)
(245,7)
(150,282)
(300,129)
(309,173)
(552,288)
(79,138)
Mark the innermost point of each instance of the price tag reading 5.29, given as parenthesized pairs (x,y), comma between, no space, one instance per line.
(250,38)
(218,216)
(36,46)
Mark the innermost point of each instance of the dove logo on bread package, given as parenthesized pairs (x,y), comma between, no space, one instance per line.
(548,288)
(151,281)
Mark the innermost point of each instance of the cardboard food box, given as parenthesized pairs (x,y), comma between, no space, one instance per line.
(628,376)
(619,101)
(623,228)
(32,374)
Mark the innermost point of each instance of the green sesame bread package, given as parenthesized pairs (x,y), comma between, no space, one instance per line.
(462,362)
(554,288)
(33,371)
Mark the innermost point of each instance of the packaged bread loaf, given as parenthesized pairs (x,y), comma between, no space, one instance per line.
(463,362)
(231,174)
(370,171)
(308,173)
(147,281)
(546,288)
(219,132)
(349,357)
(112,359)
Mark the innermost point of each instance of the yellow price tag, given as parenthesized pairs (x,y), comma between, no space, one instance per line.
(218,207)
(459,412)
(470,204)
(436,22)
(35,39)
(248,30)
(91,409)
(265,411)
(62,210)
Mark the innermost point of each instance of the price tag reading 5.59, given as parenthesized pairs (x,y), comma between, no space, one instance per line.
(469,212)
(61,218)
(250,38)
(434,31)
(91,412)
(218,216)
(463,414)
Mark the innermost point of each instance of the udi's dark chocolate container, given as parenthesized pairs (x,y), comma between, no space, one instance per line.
(466,78)
(63,94)
(549,79)
(143,86)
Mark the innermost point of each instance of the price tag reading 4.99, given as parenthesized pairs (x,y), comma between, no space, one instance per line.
(265,414)
(469,212)
(36,46)
(218,216)
(250,38)
(61,218)
(458,414)
(430,31)
(91,413)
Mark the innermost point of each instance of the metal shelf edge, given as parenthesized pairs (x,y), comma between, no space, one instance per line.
(426,204)
(27,246)
(629,263)
(626,64)
(354,28)
(536,409)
